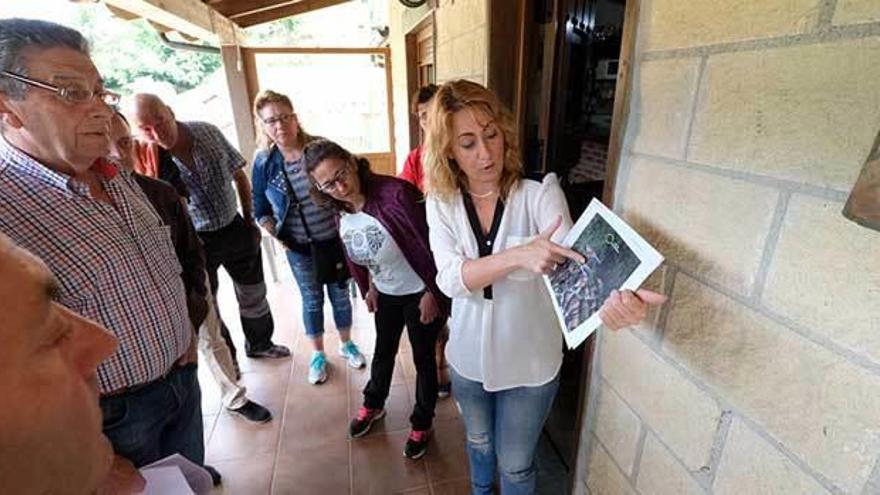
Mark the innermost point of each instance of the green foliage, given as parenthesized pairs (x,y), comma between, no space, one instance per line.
(126,51)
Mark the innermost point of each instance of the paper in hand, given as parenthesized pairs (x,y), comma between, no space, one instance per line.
(165,476)
(616,258)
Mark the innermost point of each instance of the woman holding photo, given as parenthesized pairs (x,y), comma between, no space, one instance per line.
(493,235)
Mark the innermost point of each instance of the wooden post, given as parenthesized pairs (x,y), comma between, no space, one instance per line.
(620,113)
(234,67)
(389,92)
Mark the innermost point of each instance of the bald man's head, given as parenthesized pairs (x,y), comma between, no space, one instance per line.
(154,120)
(148,102)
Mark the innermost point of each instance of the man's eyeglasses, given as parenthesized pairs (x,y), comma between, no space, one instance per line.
(332,184)
(283,118)
(73,93)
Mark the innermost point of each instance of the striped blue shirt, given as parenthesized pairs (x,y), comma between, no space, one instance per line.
(322,222)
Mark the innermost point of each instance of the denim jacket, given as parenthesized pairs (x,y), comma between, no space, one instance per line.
(274,199)
(270,188)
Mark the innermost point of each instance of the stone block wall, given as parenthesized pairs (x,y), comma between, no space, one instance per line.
(460,45)
(462,40)
(750,122)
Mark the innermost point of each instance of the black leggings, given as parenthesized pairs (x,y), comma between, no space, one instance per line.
(392,314)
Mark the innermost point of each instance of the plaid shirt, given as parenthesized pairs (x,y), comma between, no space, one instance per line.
(212,202)
(115,263)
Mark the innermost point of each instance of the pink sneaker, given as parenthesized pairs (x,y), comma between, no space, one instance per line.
(417,444)
(361,425)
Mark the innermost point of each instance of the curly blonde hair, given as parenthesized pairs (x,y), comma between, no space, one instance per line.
(264,142)
(444,176)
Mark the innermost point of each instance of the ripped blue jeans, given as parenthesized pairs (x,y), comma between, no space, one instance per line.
(503,429)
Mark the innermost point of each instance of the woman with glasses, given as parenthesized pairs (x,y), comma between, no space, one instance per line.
(283,207)
(383,227)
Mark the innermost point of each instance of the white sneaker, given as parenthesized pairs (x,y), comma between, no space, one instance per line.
(350,352)
(318,368)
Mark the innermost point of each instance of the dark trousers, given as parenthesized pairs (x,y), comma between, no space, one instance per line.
(158,419)
(236,248)
(392,314)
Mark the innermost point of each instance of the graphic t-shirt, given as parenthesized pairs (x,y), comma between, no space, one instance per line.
(369,244)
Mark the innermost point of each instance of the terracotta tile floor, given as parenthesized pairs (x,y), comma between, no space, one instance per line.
(306,449)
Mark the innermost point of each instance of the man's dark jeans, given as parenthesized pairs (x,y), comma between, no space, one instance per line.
(158,419)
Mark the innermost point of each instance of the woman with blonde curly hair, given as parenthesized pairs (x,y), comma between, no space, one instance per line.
(493,235)
(285,209)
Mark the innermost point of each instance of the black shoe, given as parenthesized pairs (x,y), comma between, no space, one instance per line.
(274,351)
(215,476)
(416,444)
(361,424)
(443,390)
(253,412)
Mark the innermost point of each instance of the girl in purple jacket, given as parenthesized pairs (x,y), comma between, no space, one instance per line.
(383,227)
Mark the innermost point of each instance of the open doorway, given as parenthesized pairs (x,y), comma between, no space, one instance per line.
(569,95)
(588,53)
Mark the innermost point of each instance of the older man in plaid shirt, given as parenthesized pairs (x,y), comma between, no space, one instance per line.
(110,252)
(208,166)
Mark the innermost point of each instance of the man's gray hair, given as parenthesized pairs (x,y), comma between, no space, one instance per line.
(18,34)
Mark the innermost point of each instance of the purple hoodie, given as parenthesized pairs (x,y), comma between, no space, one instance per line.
(400,208)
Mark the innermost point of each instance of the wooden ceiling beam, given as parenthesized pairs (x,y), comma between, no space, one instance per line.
(158,27)
(188,17)
(282,10)
(122,14)
(233,7)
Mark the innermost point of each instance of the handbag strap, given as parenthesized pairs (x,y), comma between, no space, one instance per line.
(297,202)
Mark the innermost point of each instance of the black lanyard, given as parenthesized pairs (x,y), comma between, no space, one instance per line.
(484,241)
(295,203)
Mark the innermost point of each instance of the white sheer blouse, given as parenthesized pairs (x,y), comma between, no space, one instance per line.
(513,339)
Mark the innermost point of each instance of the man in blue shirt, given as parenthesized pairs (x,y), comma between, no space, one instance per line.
(208,166)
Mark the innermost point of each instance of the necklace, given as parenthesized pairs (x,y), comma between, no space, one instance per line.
(482,196)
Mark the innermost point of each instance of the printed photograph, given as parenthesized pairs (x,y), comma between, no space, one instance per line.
(579,288)
(617,258)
